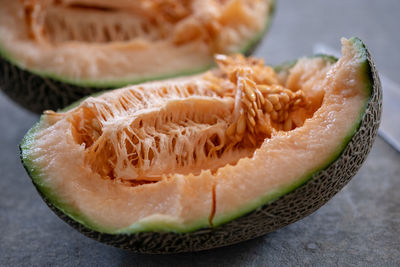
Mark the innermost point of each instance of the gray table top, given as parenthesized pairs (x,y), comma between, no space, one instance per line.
(359,226)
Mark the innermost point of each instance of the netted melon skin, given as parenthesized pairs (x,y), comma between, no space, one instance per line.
(301,202)
(37,93)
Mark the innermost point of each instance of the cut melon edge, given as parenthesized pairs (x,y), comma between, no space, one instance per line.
(246,48)
(173,226)
(270,197)
(159,223)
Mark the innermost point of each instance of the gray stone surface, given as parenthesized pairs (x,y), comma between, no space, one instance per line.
(360,226)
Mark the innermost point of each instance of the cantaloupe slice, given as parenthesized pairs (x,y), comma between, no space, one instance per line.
(59,51)
(235,152)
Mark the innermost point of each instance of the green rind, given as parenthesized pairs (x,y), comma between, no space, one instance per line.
(273,211)
(101,84)
(106,84)
(272,196)
(249,47)
(46,192)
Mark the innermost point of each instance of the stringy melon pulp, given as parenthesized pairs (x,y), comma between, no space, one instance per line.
(105,43)
(193,152)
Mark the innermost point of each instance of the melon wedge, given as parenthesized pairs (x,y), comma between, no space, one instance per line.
(186,164)
(55,52)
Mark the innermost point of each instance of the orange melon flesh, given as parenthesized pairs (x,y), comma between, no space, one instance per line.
(167,204)
(112,43)
(287,159)
(183,202)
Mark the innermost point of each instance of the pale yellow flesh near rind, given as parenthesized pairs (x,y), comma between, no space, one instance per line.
(192,58)
(236,193)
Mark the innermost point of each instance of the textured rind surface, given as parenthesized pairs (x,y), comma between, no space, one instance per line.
(289,208)
(38,92)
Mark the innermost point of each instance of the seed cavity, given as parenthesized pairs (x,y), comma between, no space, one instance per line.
(263,104)
(144,134)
